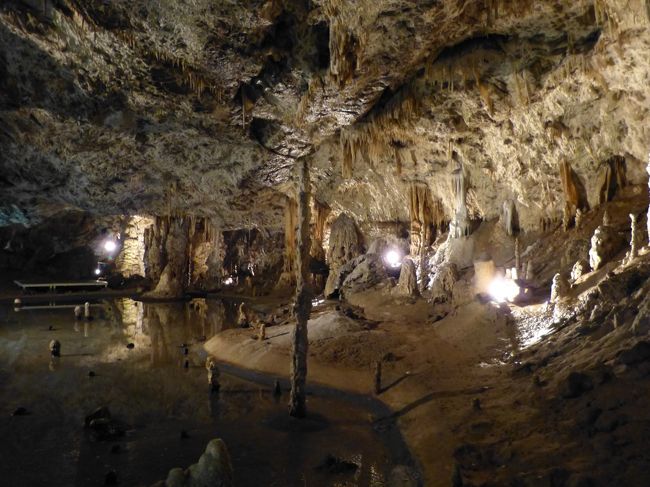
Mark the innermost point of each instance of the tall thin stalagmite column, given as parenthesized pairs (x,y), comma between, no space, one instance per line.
(302,306)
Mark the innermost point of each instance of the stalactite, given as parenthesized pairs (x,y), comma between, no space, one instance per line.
(509,216)
(460,226)
(321,212)
(302,306)
(569,187)
(398,162)
(420,216)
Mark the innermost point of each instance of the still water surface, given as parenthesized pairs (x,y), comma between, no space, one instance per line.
(150,389)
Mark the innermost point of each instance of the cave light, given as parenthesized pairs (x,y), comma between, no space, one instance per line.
(502,289)
(110,246)
(393,258)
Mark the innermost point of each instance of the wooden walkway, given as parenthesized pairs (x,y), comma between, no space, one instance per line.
(52,286)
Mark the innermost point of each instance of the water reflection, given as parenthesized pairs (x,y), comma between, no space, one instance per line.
(148,387)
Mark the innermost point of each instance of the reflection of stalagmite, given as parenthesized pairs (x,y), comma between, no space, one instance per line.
(55,348)
(302,306)
(213,374)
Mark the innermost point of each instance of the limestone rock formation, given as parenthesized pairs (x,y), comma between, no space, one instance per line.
(407,285)
(442,282)
(559,288)
(580,268)
(344,245)
(367,271)
(633,253)
(605,244)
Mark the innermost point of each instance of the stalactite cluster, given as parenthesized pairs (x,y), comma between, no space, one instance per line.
(612,177)
(321,212)
(381,136)
(345,45)
(426,214)
(182,252)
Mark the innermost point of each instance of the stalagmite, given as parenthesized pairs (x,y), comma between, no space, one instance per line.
(580,268)
(607,221)
(407,284)
(302,305)
(261,336)
(606,242)
(530,271)
(634,239)
(559,288)
(579,218)
(517,256)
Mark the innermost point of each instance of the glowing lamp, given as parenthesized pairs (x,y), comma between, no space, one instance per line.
(98,271)
(503,290)
(110,246)
(393,258)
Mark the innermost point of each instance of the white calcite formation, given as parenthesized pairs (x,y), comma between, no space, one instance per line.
(606,242)
(580,268)
(633,253)
(460,225)
(509,215)
(559,288)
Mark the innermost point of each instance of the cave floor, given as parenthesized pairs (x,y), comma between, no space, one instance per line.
(484,389)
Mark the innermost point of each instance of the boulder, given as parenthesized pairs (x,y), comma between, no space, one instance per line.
(442,281)
(368,272)
(214,469)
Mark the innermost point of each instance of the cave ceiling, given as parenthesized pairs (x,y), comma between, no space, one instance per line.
(202,107)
